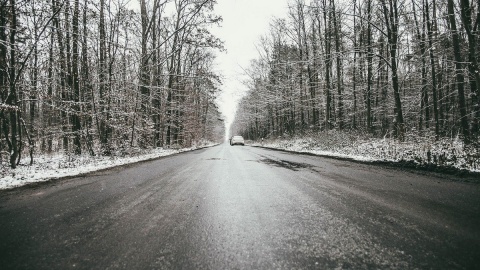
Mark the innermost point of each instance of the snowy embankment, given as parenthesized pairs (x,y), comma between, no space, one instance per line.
(445,154)
(48,167)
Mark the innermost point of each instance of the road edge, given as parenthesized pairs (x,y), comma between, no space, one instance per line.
(461,174)
(56,180)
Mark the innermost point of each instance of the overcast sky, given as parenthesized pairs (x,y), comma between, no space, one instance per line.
(244,22)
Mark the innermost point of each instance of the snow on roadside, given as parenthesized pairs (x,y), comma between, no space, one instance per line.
(57,166)
(422,152)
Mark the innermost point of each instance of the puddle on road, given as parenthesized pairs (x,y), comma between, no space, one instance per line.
(294,166)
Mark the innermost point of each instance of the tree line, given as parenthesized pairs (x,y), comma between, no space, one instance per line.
(381,67)
(97,77)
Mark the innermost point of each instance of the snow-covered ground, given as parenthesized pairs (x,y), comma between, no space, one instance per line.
(421,151)
(57,166)
(418,151)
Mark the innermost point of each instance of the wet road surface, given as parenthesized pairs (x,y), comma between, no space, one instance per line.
(243,208)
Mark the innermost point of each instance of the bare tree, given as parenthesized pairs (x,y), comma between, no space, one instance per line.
(459,78)
(391,17)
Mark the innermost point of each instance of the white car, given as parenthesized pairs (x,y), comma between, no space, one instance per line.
(237,140)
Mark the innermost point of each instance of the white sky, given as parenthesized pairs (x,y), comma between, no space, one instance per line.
(244,22)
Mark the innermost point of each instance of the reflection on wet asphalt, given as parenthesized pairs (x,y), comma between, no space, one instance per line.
(243,208)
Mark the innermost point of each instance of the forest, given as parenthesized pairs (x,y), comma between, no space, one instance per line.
(100,78)
(405,70)
(393,80)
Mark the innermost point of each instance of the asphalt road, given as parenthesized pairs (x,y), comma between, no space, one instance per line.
(243,208)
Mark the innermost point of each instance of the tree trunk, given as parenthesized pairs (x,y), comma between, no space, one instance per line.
(434,75)
(391,19)
(172,68)
(102,128)
(144,71)
(339,65)
(459,78)
(354,71)
(86,93)
(369,67)
(424,103)
(328,66)
(474,72)
(63,75)
(76,121)
(12,95)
